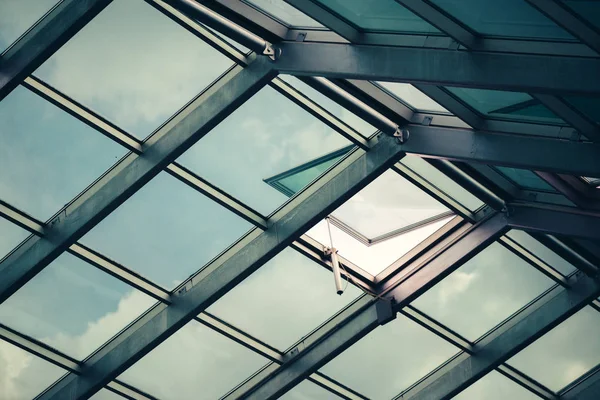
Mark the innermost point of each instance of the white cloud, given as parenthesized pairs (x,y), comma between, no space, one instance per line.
(455,284)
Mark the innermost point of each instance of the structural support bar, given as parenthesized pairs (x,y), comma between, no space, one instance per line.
(37,45)
(358,170)
(133,172)
(523,73)
(520,331)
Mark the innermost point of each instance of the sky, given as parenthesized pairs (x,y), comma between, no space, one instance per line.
(137,72)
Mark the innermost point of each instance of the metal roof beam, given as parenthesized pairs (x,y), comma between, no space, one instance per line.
(310,206)
(43,39)
(523,73)
(133,172)
(571,116)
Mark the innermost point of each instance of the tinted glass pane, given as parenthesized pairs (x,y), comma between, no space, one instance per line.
(412,96)
(509,105)
(298,286)
(47,157)
(375,258)
(389,359)
(495,386)
(73,306)
(587,9)
(525,178)
(307,390)
(378,15)
(195,363)
(590,106)
(352,120)
(388,204)
(135,71)
(285,13)
(513,18)
(542,252)
(166,231)
(442,182)
(565,353)
(10,236)
(18,16)
(266,136)
(483,292)
(23,375)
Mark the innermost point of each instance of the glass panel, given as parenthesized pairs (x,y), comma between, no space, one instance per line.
(388,204)
(377,257)
(542,252)
(495,386)
(512,18)
(267,135)
(47,157)
(412,96)
(166,231)
(351,119)
(442,182)
(10,236)
(483,292)
(563,354)
(379,15)
(587,9)
(303,291)
(23,375)
(154,68)
(389,359)
(73,306)
(196,362)
(509,105)
(18,16)
(525,178)
(106,394)
(285,13)
(307,390)
(590,106)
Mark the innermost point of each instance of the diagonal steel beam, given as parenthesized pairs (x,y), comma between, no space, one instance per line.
(523,329)
(39,43)
(571,116)
(132,172)
(442,21)
(309,356)
(560,14)
(529,152)
(524,73)
(561,221)
(346,179)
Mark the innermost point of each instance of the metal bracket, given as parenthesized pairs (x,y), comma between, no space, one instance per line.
(401,134)
(385,311)
(271,51)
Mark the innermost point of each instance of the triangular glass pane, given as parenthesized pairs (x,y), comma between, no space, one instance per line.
(282,11)
(307,390)
(494,386)
(134,66)
(412,97)
(525,179)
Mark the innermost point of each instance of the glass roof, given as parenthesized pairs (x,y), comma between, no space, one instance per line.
(285,13)
(378,15)
(511,18)
(217,237)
